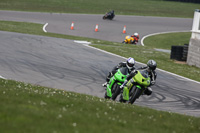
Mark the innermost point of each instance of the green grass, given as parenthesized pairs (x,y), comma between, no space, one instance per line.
(125,7)
(31,109)
(165,41)
(141,54)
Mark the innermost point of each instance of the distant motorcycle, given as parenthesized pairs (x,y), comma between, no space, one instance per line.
(129,40)
(109,15)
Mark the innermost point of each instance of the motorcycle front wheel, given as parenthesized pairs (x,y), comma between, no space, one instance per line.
(106,96)
(136,94)
(116,91)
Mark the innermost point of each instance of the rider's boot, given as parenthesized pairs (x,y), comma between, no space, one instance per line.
(121,99)
(107,79)
(148,91)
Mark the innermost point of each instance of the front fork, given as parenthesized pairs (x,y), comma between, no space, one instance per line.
(109,86)
(126,89)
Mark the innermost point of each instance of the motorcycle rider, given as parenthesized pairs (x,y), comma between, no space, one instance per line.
(130,64)
(111,13)
(150,68)
(136,37)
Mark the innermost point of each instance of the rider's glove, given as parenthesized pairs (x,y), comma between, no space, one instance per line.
(122,86)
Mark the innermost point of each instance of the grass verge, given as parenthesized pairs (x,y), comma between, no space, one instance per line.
(27,108)
(165,41)
(135,7)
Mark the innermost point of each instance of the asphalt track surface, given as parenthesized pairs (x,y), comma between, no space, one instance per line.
(84,25)
(64,64)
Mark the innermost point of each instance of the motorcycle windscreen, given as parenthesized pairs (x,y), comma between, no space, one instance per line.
(121,74)
(142,78)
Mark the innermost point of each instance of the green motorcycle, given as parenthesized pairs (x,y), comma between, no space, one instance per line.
(113,87)
(135,87)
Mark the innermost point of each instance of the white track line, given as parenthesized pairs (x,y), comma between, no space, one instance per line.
(2,77)
(143,64)
(142,40)
(82,42)
(44,27)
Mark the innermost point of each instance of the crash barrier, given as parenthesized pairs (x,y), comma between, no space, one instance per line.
(179,52)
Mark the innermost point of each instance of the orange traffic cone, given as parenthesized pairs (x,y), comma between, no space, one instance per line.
(96,28)
(124,30)
(72,26)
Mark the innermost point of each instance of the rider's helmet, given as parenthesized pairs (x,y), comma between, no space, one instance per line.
(130,63)
(135,35)
(152,65)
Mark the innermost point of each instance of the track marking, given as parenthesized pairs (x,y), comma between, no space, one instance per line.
(142,40)
(142,64)
(44,27)
(82,42)
(2,77)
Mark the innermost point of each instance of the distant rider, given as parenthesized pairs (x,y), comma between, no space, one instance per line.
(150,68)
(136,38)
(111,14)
(130,64)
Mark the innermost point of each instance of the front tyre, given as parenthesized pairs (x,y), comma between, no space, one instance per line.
(105,96)
(116,92)
(137,92)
